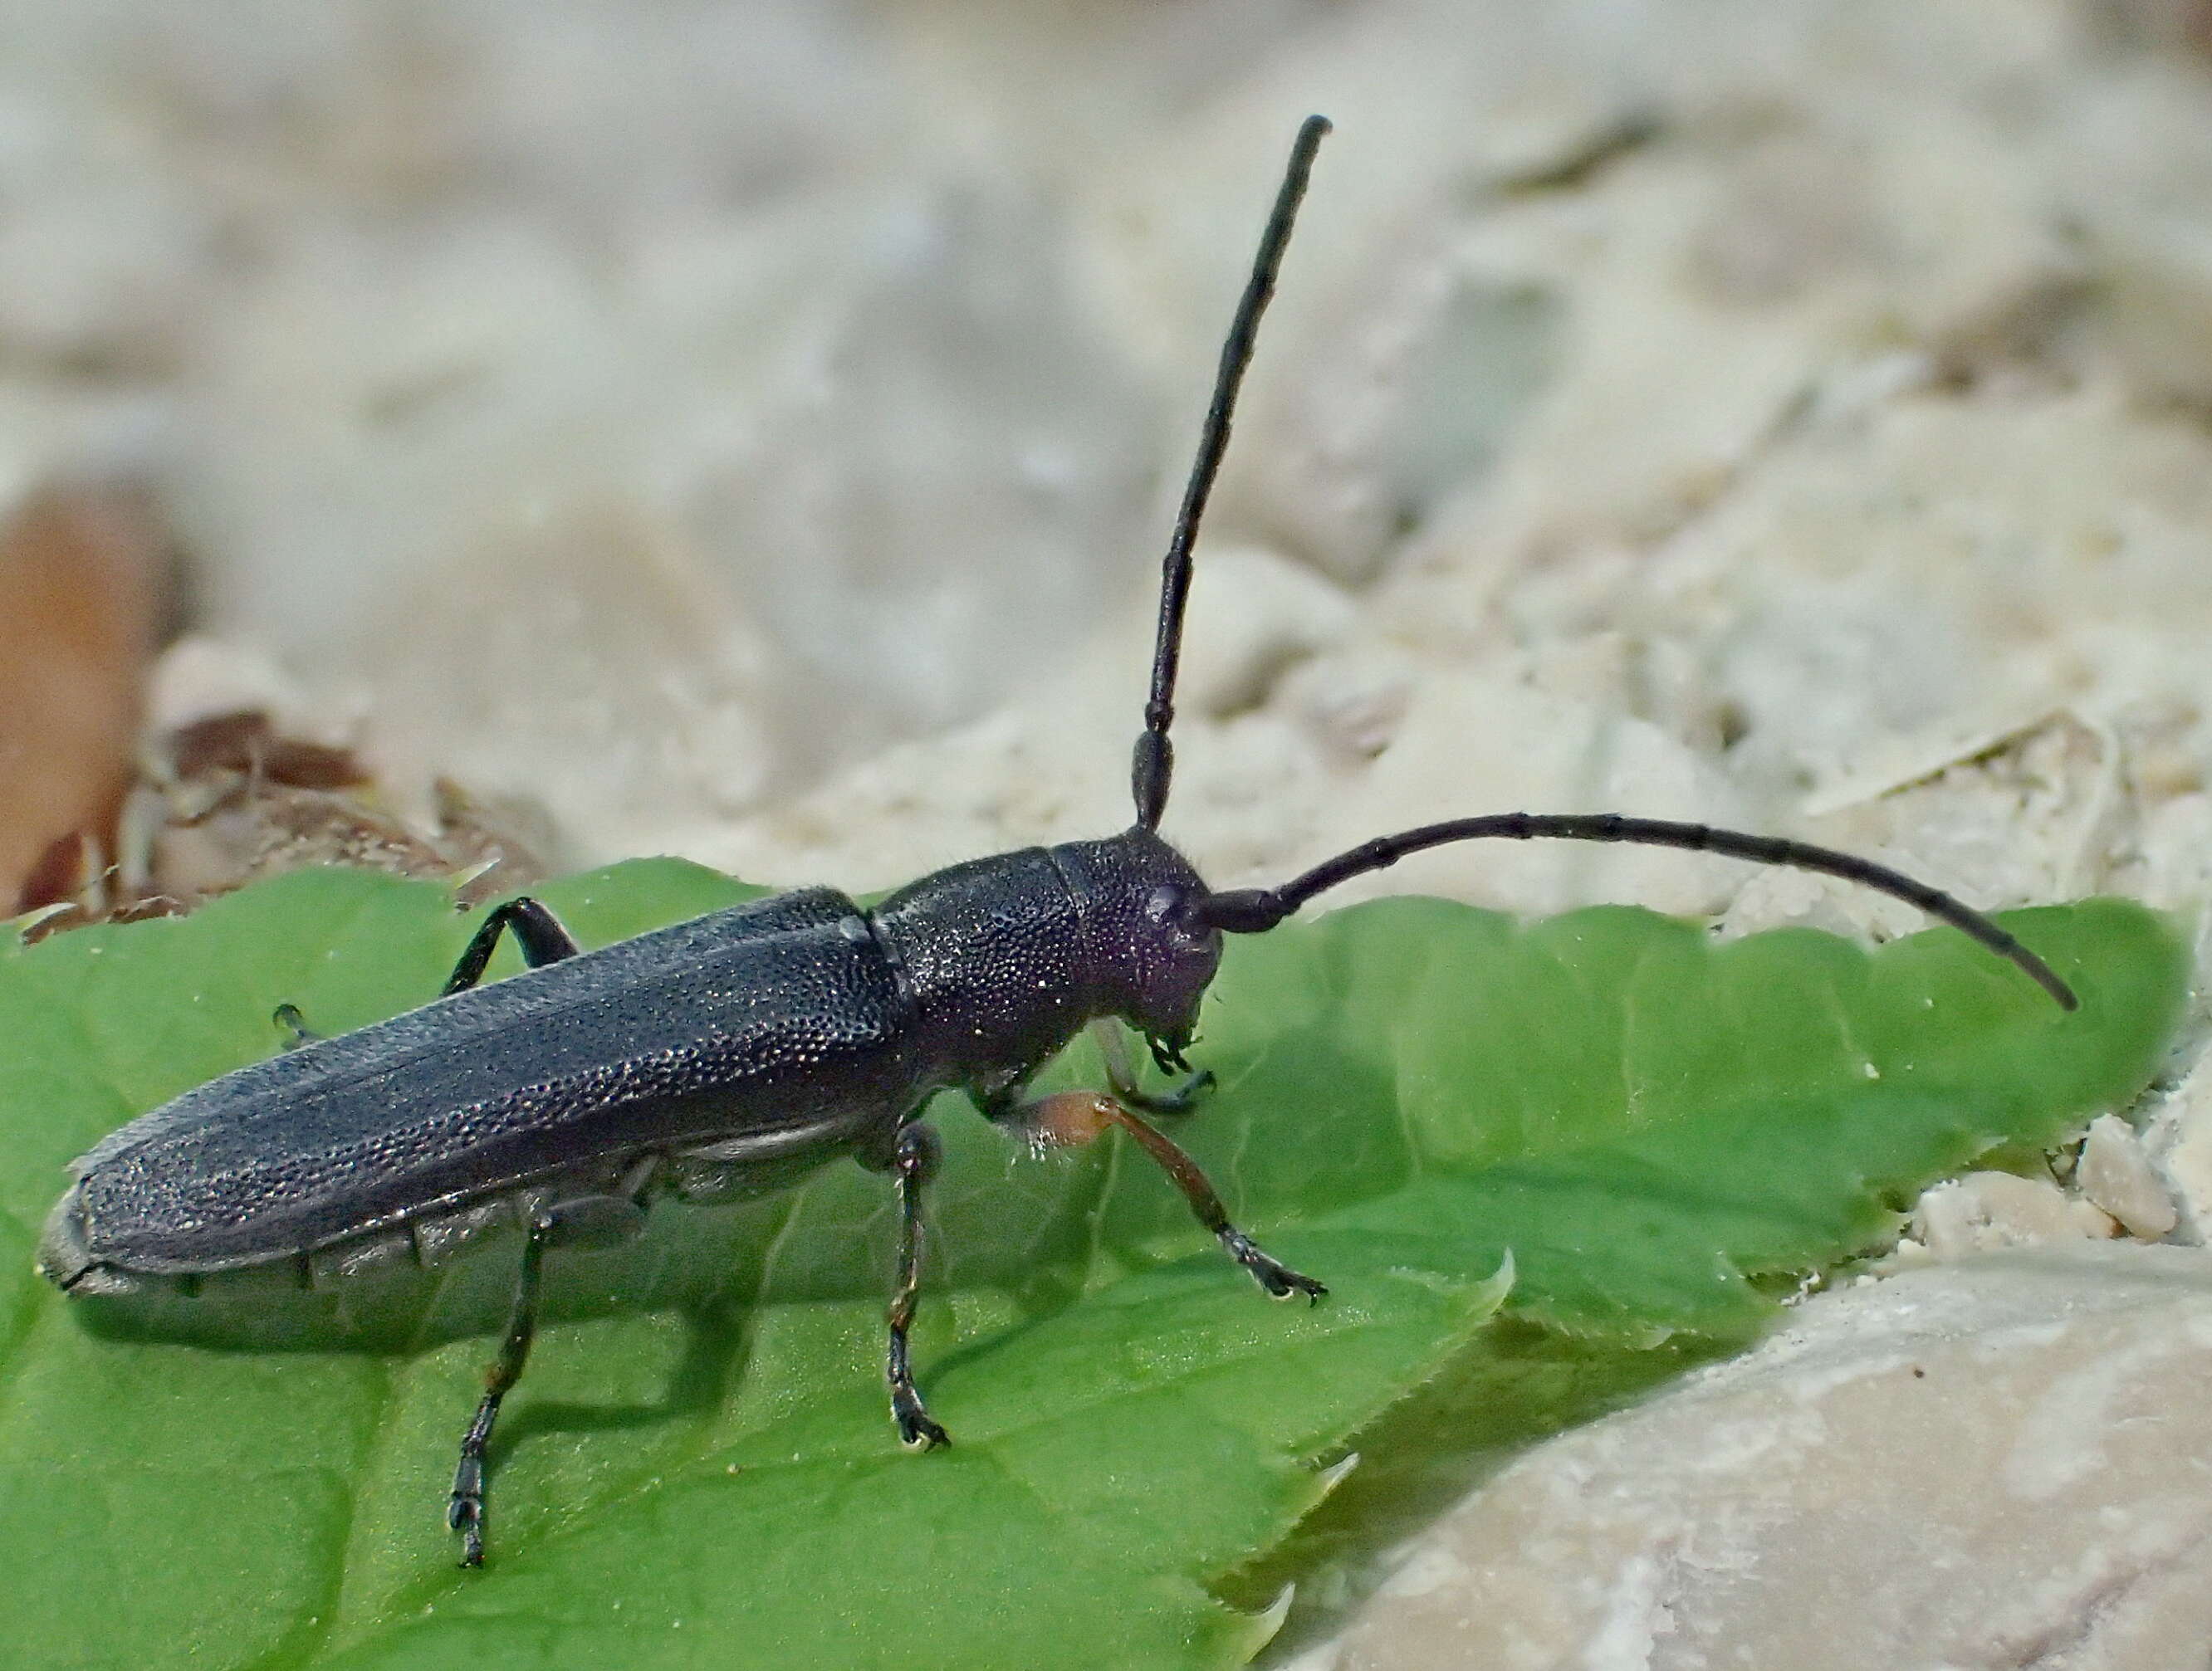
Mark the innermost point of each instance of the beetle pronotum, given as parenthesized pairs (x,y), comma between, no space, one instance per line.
(744,1048)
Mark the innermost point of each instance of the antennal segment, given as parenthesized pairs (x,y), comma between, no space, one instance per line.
(1251,911)
(1154,764)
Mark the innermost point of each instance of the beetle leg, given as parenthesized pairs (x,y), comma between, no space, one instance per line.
(464,1510)
(913,1164)
(586,1221)
(1077,1116)
(1122,1075)
(536,930)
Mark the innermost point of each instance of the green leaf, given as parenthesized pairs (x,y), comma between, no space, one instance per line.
(697,1470)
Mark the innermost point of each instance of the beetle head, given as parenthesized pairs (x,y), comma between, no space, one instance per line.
(1151,952)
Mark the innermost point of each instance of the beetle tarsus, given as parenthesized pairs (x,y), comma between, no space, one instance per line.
(1182,1099)
(464,1508)
(917,1430)
(1280,1281)
(287,1017)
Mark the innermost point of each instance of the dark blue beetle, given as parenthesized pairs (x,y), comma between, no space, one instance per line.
(735,1052)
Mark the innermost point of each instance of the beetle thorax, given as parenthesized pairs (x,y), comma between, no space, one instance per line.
(1011,955)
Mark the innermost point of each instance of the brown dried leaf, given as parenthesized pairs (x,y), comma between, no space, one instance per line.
(81,582)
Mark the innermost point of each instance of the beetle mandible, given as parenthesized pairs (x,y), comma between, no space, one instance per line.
(740,1050)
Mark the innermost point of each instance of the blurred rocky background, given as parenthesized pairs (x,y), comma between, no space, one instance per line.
(512,434)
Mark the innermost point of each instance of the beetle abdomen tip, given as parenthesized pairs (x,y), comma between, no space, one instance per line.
(65,1257)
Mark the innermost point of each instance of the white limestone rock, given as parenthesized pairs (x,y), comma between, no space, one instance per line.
(1265,615)
(1468,743)
(1984,1211)
(2115,1173)
(2178,1135)
(1993,1464)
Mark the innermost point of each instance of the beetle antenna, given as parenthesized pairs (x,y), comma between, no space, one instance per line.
(1252,910)
(1155,757)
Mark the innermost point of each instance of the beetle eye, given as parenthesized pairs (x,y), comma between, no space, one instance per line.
(1171,908)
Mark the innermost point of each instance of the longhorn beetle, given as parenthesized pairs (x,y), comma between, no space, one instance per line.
(738,1050)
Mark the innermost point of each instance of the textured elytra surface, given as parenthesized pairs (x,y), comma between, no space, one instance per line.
(699,1470)
(769,1017)
(484,1088)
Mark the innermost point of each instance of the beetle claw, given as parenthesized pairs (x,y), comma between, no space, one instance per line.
(918,1432)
